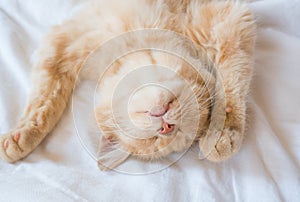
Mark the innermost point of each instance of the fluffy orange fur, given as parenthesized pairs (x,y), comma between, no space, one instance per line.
(224,34)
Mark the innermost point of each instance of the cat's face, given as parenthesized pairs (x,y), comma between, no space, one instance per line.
(154,105)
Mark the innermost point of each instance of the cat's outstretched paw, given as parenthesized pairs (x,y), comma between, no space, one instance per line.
(15,146)
(224,144)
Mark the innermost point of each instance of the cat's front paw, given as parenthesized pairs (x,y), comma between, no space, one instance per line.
(223,144)
(16,145)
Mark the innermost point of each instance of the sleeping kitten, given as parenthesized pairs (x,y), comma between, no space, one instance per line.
(213,44)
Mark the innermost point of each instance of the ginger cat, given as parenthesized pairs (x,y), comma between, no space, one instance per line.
(153,120)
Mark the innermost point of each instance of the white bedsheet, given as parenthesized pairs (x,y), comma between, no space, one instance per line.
(266,169)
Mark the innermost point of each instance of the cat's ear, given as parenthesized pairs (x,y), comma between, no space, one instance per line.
(110,153)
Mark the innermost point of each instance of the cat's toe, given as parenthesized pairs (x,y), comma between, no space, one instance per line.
(17,137)
(5,143)
(10,150)
(227,144)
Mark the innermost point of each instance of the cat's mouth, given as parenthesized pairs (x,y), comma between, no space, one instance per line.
(159,111)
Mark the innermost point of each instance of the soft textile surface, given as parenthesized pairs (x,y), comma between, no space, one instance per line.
(266,169)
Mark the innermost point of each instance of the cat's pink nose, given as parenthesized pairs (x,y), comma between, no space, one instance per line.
(166,128)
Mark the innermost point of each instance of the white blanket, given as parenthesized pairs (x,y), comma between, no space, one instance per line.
(60,169)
